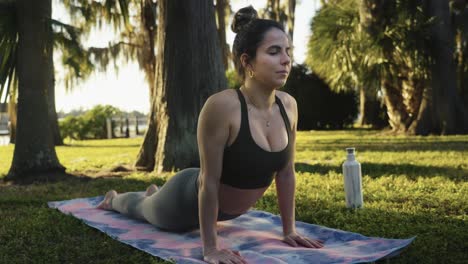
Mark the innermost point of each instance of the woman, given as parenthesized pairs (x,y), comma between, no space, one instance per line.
(246,137)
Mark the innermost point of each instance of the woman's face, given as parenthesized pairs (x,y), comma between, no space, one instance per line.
(272,63)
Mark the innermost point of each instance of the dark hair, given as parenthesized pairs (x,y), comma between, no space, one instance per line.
(250,32)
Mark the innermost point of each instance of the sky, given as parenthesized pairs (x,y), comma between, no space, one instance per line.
(128,90)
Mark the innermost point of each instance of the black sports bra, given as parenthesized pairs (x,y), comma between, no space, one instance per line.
(245,164)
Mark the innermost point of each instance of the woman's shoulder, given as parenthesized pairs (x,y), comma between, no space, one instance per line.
(288,101)
(290,106)
(225,100)
(222,104)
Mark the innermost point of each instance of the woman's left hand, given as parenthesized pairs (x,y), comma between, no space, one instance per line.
(296,240)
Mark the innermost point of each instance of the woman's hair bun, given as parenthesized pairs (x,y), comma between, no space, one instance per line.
(242,18)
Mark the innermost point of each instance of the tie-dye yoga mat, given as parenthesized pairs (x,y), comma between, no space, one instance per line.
(256,235)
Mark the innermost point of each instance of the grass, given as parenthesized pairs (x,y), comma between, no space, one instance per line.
(412,186)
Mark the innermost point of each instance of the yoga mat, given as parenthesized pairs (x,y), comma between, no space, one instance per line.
(256,235)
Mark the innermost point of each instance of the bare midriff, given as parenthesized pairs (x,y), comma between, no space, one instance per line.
(236,201)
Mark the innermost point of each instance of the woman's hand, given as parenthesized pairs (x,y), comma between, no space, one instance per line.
(224,256)
(295,240)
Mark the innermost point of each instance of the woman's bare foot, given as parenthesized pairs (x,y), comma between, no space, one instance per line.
(151,190)
(106,203)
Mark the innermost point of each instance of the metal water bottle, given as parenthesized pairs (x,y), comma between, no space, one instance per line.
(352,181)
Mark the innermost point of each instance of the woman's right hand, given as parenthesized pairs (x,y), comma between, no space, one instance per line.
(224,256)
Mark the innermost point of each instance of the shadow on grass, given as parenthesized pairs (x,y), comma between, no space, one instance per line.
(57,175)
(39,192)
(42,177)
(376,170)
(101,146)
(375,144)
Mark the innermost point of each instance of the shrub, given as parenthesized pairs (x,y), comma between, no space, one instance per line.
(72,127)
(233,79)
(318,106)
(90,125)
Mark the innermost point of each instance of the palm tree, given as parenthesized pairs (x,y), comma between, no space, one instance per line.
(78,61)
(386,45)
(338,52)
(34,150)
(420,91)
(188,70)
(8,79)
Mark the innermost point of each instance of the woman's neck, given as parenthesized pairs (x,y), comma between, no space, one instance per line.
(262,98)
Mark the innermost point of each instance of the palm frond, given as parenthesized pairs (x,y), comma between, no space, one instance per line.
(334,49)
(8,48)
(345,56)
(87,14)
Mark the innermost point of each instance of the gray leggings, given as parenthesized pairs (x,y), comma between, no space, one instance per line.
(174,207)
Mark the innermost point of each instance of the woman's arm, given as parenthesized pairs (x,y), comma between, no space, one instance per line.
(212,136)
(286,179)
(285,187)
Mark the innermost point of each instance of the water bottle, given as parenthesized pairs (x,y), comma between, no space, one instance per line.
(352,181)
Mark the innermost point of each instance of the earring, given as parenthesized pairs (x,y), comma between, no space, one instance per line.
(251,74)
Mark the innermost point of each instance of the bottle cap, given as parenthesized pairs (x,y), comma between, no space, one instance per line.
(350,150)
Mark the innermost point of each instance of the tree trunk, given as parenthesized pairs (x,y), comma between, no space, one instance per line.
(422,125)
(397,115)
(12,114)
(53,118)
(221,7)
(34,149)
(291,10)
(371,22)
(370,109)
(273,10)
(188,70)
(145,158)
(443,69)
(442,111)
(148,20)
(362,106)
(461,23)
(54,126)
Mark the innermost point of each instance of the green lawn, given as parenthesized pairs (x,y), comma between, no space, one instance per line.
(412,186)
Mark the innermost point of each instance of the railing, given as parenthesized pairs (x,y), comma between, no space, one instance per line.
(120,127)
